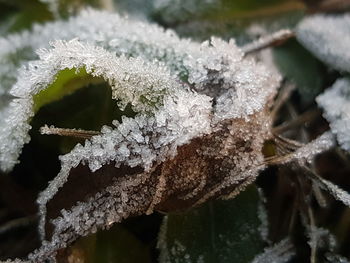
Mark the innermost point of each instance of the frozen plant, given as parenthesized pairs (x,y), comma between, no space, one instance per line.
(203,115)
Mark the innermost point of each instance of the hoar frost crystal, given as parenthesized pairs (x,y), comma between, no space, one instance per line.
(202,118)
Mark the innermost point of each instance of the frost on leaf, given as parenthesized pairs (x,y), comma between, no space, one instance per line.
(202,119)
(336,105)
(320,34)
(238,86)
(207,167)
(127,78)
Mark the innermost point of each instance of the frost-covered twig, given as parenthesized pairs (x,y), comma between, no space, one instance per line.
(78,133)
(268,41)
(331,188)
(307,152)
(281,252)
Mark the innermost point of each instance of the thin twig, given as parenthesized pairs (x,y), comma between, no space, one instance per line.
(276,38)
(286,142)
(283,96)
(78,133)
(16,223)
(313,241)
(300,120)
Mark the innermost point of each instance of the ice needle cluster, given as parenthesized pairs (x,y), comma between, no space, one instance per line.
(202,118)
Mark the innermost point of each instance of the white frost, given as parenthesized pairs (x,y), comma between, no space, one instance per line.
(336,105)
(281,252)
(328,38)
(170,115)
(239,86)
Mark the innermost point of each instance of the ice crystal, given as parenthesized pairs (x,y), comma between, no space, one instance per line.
(321,33)
(279,253)
(239,86)
(214,62)
(336,104)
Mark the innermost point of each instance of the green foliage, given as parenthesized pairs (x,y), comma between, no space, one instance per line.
(300,68)
(67,82)
(19,15)
(219,231)
(119,245)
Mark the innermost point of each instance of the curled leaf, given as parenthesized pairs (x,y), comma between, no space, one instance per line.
(215,68)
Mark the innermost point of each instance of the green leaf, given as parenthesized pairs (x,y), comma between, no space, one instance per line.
(301,68)
(220,10)
(67,81)
(119,245)
(220,231)
(114,245)
(86,107)
(19,15)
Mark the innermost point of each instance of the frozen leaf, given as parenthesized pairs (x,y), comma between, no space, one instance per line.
(127,78)
(221,231)
(336,104)
(281,252)
(202,65)
(202,119)
(112,193)
(320,34)
(215,68)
